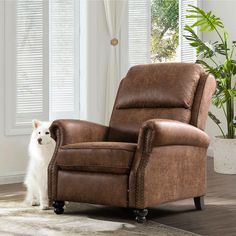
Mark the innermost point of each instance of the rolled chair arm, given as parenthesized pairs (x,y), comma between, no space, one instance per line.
(162,132)
(167,151)
(75,131)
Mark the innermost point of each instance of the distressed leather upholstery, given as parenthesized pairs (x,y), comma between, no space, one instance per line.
(154,149)
(103,157)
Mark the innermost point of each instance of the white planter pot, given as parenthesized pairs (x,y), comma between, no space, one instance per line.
(225,155)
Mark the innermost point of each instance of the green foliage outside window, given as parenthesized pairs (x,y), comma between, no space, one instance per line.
(164,29)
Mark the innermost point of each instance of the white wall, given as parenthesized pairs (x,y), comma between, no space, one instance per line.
(13,150)
(225,9)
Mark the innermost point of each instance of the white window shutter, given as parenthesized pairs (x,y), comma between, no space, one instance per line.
(139,21)
(187,52)
(26,70)
(64,58)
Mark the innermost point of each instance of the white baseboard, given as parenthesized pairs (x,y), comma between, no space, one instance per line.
(12,178)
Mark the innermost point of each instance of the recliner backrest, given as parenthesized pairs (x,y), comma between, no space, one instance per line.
(166,91)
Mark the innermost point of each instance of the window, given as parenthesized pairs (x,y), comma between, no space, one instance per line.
(42,61)
(164,30)
(64,59)
(156,29)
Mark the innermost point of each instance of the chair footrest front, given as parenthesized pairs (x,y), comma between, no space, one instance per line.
(93,188)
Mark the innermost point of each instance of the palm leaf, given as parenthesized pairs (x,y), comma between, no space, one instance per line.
(213,117)
(196,42)
(207,21)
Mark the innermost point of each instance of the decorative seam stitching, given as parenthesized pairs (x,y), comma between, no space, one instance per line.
(106,148)
(118,167)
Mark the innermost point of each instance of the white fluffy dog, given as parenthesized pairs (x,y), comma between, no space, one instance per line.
(41,148)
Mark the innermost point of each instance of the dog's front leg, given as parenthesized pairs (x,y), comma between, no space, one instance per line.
(44,202)
(31,197)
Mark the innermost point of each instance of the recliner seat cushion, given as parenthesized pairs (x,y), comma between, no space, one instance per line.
(103,157)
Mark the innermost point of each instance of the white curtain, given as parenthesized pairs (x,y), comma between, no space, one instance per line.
(114,10)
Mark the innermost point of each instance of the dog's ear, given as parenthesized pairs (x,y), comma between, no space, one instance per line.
(36,123)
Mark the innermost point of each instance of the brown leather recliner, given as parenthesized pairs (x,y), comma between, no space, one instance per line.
(153,151)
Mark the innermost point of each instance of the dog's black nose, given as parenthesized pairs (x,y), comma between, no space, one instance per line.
(40,140)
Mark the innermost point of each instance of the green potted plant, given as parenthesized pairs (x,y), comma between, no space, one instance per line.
(217,59)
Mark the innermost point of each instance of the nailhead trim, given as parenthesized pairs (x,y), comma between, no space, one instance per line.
(146,142)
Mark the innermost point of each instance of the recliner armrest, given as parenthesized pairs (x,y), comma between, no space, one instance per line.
(163,132)
(75,131)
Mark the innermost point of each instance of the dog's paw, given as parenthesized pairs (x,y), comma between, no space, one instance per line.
(44,207)
(34,202)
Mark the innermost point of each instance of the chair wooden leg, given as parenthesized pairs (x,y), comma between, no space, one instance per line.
(199,203)
(58,207)
(140,215)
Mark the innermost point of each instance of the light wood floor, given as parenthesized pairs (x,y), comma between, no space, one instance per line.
(219,218)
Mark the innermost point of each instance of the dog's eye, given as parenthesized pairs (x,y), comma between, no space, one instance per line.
(39,132)
(46,132)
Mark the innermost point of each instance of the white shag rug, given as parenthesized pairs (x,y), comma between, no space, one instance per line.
(17,219)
